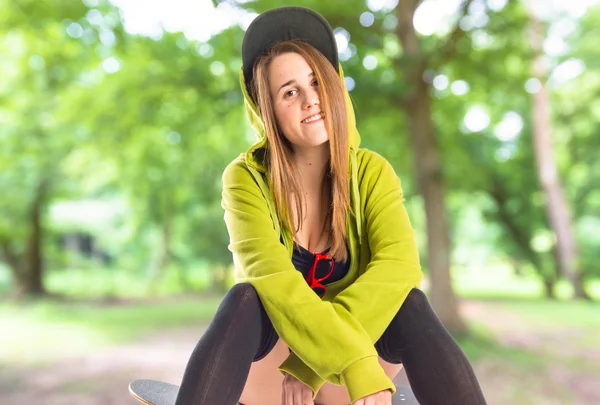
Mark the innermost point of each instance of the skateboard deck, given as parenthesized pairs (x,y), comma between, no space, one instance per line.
(152,392)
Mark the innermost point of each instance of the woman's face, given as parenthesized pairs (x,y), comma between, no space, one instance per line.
(295,94)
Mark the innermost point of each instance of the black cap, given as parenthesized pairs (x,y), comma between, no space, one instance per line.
(283,24)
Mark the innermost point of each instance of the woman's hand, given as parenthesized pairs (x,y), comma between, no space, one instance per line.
(379,398)
(295,392)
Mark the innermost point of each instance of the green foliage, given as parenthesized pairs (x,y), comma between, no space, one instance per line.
(41,63)
(146,126)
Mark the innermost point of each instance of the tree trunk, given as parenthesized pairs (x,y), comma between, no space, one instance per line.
(557,208)
(427,165)
(28,267)
(34,252)
(164,255)
(549,289)
(521,237)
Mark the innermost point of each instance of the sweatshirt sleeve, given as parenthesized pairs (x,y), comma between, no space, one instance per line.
(394,268)
(323,335)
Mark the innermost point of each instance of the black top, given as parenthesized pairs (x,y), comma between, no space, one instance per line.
(303,260)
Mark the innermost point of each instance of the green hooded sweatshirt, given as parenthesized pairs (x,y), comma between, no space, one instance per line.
(331,339)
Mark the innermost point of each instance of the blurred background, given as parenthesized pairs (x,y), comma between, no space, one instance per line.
(118,117)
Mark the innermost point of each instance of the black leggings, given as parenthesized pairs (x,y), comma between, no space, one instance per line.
(241,332)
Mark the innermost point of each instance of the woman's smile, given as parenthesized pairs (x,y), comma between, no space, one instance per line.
(313,118)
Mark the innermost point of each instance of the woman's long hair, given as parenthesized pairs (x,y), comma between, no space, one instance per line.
(279,155)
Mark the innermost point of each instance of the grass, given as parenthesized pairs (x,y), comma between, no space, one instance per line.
(100,282)
(480,347)
(498,281)
(41,331)
(580,314)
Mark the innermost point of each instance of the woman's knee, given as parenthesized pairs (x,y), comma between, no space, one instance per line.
(244,299)
(240,305)
(415,308)
(416,299)
(242,295)
(413,312)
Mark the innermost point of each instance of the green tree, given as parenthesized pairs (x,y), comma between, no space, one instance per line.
(557,206)
(42,59)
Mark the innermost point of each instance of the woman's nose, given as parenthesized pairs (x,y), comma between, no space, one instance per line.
(312,98)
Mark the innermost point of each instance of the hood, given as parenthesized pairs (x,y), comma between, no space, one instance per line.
(257,168)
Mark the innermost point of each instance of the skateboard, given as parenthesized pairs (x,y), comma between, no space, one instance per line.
(152,392)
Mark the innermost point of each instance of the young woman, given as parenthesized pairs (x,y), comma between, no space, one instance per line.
(327,306)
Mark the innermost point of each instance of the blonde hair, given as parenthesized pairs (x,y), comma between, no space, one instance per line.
(279,157)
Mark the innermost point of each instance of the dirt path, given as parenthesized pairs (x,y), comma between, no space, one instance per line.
(102,377)
(559,367)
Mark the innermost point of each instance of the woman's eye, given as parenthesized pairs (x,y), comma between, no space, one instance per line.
(315,83)
(290,93)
